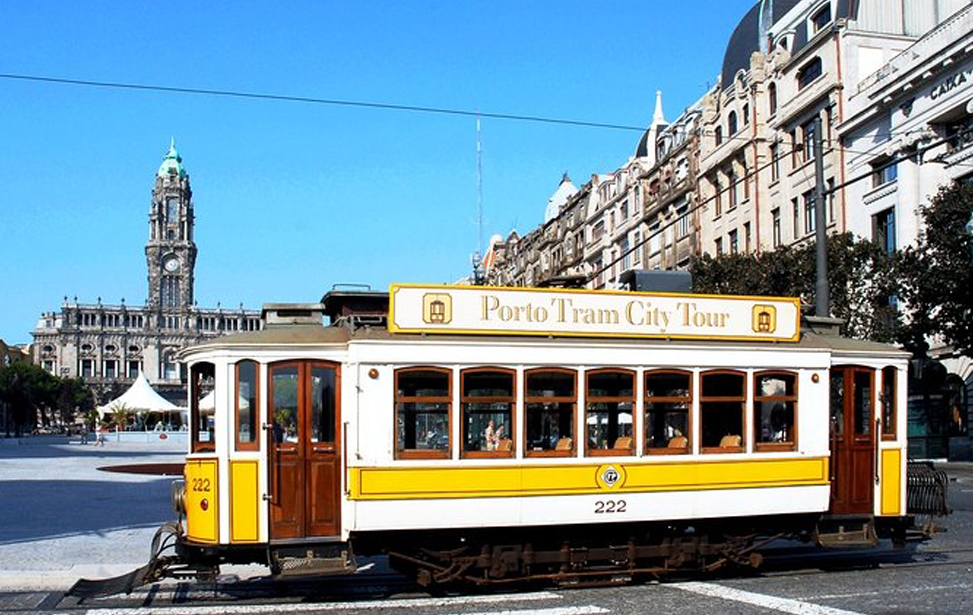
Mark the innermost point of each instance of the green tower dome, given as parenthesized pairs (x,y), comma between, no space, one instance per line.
(172,163)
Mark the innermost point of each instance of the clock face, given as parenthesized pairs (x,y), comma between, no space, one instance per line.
(172,264)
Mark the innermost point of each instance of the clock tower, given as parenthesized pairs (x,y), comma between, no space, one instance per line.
(171,250)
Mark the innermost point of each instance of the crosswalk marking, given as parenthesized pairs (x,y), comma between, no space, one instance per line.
(783,605)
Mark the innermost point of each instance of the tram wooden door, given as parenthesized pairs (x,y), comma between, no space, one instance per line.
(853,440)
(305,450)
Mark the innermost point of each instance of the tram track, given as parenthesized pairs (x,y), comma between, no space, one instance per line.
(390,589)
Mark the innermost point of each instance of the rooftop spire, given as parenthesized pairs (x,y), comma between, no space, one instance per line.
(658,117)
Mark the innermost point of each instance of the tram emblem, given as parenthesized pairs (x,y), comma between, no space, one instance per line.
(437,309)
(610,476)
(764,318)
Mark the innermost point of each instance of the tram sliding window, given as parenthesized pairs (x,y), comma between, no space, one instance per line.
(668,398)
(775,410)
(888,403)
(722,401)
(423,398)
(550,400)
(609,400)
(203,420)
(487,402)
(245,405)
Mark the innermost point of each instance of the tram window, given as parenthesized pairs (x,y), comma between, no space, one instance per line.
(722,402)
(610,399)
(775,408)
(550,399)
(284,380)
(837,403)
(863,403)
(203,419)
(488,401)
(246,406)
(888,403)
(423,398)
(322,404)
(668,398)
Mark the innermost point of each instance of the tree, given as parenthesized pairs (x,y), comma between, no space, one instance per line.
(28,390)
(938,273)
(862,281)
(73,398)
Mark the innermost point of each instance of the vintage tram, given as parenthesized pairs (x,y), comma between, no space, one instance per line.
(488,435)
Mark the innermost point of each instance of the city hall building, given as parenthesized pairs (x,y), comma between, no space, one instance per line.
(108,345)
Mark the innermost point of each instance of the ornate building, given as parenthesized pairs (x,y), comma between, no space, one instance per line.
(108,345)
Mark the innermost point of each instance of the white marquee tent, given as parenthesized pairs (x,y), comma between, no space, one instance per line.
(141,398)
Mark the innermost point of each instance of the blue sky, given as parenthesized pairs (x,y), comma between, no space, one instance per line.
(293,198)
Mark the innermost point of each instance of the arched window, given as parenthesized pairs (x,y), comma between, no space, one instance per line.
(718,134)
(775,411)
(772,98)
(550,399)
(487,400)
(609,405)
(731,124)
(668,400)
(423,397)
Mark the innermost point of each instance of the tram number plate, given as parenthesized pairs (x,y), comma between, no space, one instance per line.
(609,507)
(200,484)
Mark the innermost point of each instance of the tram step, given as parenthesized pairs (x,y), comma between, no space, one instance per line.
(314,562)
(844,533)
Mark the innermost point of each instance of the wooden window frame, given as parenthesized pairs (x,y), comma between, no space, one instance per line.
(573,400)
(688,400)
(463,400)
(892,434)
(791,445)
(723,398)
(239,444)
(195,378)
(432,399)
(588,399)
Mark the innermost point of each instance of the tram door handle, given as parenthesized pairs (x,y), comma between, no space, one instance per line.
(834,448)
(878,440)
(271,446)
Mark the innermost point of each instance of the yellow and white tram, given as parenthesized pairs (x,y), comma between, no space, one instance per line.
(486,434)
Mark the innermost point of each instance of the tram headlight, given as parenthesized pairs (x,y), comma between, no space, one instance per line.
(178,495)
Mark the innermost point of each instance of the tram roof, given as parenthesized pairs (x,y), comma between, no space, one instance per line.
(312,335)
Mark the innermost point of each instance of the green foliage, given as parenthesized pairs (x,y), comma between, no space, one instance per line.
(29,391)
(862,280)
(938,273)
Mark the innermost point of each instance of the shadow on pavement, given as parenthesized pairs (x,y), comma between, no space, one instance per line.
(41,509)
(109,450)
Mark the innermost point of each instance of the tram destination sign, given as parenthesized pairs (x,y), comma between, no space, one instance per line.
(519,311)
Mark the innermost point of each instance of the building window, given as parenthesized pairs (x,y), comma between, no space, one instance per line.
(655,235)
(170,369)
(598,231)
(719,246)
(718,198)
(668,399)
(807,148)
(883,172)
(549,403)
(488,396)
(820,19)
(775,225)
(722,402)
(829,198)
(731,124)
(774,162)
(111,368)
(625,256)
(959,134)
(609,402)
(808,73)
(718,133)
(796,218)
(637,244)
(883,230)
(809,213)
(87,368)
(683,223)
(888,400)
(423,397)
(775,410)
(623,210)
(134,367)
(245,405)
(734,242)
(49,366)
(170,291)
(745,179)
(746,237)
(772,98)
(746,114)
(172,211)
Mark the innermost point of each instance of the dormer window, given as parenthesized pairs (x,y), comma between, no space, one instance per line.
(821,19)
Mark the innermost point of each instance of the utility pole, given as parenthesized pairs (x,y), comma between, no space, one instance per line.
(822,301)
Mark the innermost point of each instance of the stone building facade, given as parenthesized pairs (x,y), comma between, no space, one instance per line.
(108,345)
